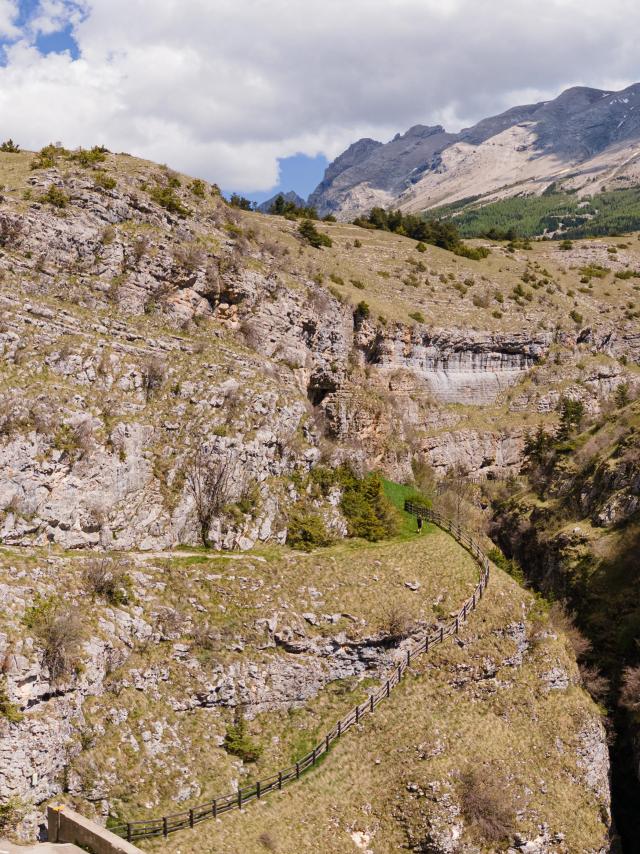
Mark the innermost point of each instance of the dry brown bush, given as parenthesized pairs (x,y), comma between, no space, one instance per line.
(139,249)
(563,621)
(594,682)
(630,692)
(487,805)
(108,578)
(153,374)
(207,478)
(267,841)
(397,622)
(10,230)
(59,631)
(189,256)
(170,623)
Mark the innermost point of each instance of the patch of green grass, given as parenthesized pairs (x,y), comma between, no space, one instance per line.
(398,493)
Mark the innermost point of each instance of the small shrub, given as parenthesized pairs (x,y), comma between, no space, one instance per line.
(55,197)
(362,312)
(10,230)
(267,841)
(306,530)
(357,243)
(418,316)
(336,279)
(11,813)
(310,233)
(396,623)
(8,710)
(109,579)
(104,181)
(9,147)
(48,156)
(57,629)
(357,284)
(88,157)
(594,271)
(630,693)
(153,374)
(576,317)
(239,743)
(596,685)
(563,621)
(565,245)
(508,565)
(198,188)
(421,247)
(487,806)
(167,199)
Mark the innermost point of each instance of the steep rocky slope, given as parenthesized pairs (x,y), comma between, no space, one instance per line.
(292,641)
(585,135)
(144,319)
(134,333)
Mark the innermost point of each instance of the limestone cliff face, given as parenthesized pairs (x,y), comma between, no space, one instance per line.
(131,334)
(456,366)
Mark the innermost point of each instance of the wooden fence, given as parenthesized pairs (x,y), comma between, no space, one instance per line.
(164,825)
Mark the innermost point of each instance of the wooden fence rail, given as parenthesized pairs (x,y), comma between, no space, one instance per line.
(167,824)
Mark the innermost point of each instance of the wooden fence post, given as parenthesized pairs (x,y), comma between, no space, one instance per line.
(258,790)
(297,770)
(388,688)
(128,832)
(339,728)
(190,818)
(165,828)
(357,714)
(239,798)
(372,702)
(215,808)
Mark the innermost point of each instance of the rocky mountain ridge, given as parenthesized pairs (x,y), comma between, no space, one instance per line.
(585,138)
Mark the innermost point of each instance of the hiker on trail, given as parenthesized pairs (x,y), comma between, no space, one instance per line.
(419,524)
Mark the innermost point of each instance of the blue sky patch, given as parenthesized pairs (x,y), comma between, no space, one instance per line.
(57,42)
(299,173)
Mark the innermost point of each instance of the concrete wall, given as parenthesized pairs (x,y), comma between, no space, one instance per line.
(65,825)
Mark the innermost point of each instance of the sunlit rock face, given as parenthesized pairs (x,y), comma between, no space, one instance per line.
(471,368)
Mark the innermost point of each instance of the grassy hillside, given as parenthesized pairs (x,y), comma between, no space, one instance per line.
(563,214)
(452,756)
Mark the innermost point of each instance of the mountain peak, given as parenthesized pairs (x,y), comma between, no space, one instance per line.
(548,140)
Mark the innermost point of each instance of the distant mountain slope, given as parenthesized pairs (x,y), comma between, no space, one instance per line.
(586,138)
(297,200)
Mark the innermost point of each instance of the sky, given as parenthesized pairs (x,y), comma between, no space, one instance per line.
(258,95)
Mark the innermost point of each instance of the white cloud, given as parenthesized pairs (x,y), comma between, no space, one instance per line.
(8,15)
(222,89)
(54,15)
